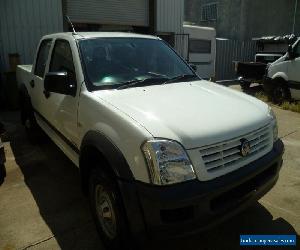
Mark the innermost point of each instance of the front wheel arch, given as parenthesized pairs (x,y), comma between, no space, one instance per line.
(96,146)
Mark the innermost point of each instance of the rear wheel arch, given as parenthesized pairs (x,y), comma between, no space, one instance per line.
(26,108)
(24,102)
(280,79)
(97,151)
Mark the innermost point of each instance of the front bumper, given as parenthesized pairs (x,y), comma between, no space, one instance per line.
(180,209)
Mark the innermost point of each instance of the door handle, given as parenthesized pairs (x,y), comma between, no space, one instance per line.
(32,83)
(46,93)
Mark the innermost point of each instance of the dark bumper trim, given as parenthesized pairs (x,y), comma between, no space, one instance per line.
(198,205)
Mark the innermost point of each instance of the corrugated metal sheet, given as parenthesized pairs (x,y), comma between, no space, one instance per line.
(170,16)
(23,23)
(124,12)
(229,51)
(181,45)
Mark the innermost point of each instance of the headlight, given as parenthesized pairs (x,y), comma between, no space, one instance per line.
(168,162)
(274,124)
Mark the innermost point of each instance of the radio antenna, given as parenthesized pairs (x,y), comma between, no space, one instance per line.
(69,20)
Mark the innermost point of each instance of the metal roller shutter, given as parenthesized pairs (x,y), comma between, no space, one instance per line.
(120,12)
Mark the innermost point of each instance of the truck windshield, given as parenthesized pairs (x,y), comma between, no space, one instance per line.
(113,62)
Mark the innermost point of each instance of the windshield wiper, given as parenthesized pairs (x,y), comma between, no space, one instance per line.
(181,78)
(156,74)
(144,82)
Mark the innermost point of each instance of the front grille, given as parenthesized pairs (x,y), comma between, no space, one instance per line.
(227,154)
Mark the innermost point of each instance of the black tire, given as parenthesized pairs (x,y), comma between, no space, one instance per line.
(103,188)
(280,92)
(245,86)
(2,173)
(33,130)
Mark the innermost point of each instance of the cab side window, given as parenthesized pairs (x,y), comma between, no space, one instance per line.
(62,60)
(42,58)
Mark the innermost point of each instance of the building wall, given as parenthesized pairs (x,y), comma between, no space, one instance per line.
(23,23)
(125,12)
(169,16)
(229,20)
(267,17)
(245,19)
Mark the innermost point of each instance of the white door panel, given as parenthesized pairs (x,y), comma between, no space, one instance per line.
(58,109)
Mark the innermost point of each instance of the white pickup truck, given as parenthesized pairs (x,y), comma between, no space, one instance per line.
(160,151)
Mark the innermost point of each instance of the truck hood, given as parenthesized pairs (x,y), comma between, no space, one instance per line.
(193,113)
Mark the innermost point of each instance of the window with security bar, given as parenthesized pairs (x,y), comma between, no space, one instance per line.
(209,12)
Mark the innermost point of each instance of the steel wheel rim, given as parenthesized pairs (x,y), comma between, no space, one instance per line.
(105,212)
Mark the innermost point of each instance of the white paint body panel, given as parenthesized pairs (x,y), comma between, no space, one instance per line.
(195,114)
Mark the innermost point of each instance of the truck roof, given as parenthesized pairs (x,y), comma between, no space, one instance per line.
(88,35)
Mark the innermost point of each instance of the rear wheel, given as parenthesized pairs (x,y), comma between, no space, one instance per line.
(28,120)
(245,86)
(280,92)
(107,210)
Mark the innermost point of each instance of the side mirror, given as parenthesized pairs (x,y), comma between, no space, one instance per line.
(58,82)
(291,53)
(194,67)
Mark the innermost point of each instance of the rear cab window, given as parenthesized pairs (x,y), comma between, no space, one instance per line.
(42,57)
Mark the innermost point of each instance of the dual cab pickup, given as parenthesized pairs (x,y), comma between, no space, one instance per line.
(158,148)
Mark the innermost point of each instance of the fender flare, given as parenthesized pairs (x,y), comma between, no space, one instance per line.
(280,75)
(110,151)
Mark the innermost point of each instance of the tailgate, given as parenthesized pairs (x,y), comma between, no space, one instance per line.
(23,73)
(251,70)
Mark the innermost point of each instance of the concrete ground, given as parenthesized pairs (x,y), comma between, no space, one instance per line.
(42,207)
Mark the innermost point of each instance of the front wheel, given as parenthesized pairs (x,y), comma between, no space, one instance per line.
(281,93)
(107,210)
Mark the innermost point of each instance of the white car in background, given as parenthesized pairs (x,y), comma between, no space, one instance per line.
(282,81)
